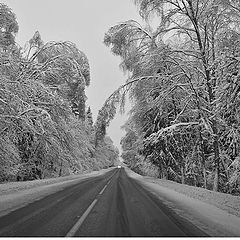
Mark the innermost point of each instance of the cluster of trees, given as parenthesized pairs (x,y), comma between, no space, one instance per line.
(184,124)
(45,129)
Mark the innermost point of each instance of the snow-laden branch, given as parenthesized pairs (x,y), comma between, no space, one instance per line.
(183,110)
(155,136)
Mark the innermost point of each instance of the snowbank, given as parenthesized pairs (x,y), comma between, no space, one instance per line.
(217,214)
(15,195)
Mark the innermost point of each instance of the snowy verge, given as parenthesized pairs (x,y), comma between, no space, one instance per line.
(15,195)
(210,211)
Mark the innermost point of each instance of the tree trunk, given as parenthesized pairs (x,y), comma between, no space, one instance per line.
(204,168)
(160,171)
(216,180)
(182,175)
(164,174)
(216,157)
(195,180)
(60,171)
(204,177)
(203,157)
(210,86)
(81,110)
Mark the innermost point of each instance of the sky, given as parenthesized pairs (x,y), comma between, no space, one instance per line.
(83,22)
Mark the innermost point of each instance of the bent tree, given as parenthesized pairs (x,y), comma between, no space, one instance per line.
(43,130)
(180,86)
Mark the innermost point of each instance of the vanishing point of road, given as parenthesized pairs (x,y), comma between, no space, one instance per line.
(111,205)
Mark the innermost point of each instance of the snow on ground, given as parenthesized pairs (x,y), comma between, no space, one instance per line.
(14,195)
(217,214)
(10,187)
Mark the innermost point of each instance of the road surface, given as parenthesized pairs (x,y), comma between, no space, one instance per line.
(109,205)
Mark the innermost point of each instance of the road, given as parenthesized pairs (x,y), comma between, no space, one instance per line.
(109,205)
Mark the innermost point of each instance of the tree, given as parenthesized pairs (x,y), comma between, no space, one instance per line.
(89,116)
(200,22)
(8,27)
(176,83)
(66,71)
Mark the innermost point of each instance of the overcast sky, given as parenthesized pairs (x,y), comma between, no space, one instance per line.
(83,22)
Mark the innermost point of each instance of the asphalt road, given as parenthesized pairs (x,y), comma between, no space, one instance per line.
(109,205)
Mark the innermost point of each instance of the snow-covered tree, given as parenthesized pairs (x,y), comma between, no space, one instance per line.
(178,85)
(40,134)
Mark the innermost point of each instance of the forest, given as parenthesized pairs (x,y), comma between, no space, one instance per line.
(46,129)
(183,83)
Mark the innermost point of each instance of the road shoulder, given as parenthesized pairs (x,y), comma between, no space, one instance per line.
(212,219)
(15,195)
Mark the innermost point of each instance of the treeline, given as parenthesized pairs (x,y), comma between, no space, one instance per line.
(184,84)
(45,128)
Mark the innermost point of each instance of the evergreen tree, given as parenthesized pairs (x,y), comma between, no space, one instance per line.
(89,116)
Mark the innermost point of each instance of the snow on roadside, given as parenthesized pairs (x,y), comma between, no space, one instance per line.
(10,187)
(217,214)
(14,195)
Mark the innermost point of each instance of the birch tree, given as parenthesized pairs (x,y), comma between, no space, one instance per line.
(177,84)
